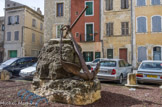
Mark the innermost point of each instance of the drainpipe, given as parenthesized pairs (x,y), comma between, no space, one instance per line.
(133,39)
(101,13)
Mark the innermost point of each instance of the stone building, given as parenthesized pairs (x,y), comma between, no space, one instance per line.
(57,14)
(2,28)
(23,30)
(87,31)
(116,29)
(148,29)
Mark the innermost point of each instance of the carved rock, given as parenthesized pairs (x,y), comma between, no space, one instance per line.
(54,83)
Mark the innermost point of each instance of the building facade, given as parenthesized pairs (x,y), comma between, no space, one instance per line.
(87,30)
(57,14)
(116,29)
(23,30)
(2,28)
(148,30)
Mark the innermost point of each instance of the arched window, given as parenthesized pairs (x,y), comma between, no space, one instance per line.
(141,24)
(157,53)
(156,24)
(155,2)
(141,2)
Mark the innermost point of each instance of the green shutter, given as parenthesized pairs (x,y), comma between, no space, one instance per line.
(89,30)
(110,53)
(13,54)
(97,55)
(89,11)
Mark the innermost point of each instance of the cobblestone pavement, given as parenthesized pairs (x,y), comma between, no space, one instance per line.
(113,95)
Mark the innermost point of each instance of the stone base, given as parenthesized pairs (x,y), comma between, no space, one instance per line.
(5,75)
(69,91)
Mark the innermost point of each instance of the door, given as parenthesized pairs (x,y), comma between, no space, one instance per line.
(89,32)
(97,55)
(157,53)
(123,54)
(13,54)
(110,53)
(88,56)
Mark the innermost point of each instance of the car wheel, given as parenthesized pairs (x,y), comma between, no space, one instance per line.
(120,79)
(139,82)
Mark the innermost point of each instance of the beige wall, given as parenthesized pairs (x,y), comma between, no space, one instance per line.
(117,41)
(149,39)
(51,20)
(29,46)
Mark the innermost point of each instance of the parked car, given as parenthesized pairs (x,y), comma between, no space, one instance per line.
(150,71)
(28,72)
(114,70)
(93,63)
(14,65)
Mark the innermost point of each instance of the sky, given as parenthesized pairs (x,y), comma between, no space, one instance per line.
(31,3)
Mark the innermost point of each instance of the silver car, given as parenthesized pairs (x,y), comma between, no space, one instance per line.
(114,69)
(150,71)
(94,63)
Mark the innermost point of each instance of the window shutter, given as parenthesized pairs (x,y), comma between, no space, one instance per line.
(127,4)
(111,4)
(107,29)
(111,29)
(155,2)
(122,4)
(141,21)
(156,24)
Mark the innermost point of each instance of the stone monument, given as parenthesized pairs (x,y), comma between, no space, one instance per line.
(55,83)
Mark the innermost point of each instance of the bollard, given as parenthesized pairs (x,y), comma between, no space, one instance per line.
(131,80)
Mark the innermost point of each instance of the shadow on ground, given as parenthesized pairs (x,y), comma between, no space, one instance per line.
(118,100)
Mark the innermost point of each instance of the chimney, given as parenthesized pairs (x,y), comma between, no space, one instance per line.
(39,11)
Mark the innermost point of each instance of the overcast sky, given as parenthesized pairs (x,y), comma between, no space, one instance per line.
(31,3)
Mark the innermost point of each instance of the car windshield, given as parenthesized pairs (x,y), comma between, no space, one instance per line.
(108,64)
(10,61)
(34,65)
(151,65)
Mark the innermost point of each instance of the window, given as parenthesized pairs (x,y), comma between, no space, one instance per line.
(17,19)
(109,29)
(41,26)
(156,24)
(141,25)
(125,28)
(97,55)
(141,2)
(34,53)
(155,2)
(89,32)
(9,20)
(124,4)
(77,35)
(110,53)
(108,64)
(58,31)
(34,23)
(88,56)
(60,9)
(157,53)
(33,37)
(41,39)
(89,11)
(142,54)
(109,4)
(8,36)
(16,35)
(3,27)
(121,63)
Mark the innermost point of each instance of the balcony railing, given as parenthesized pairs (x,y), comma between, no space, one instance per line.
(87,38)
